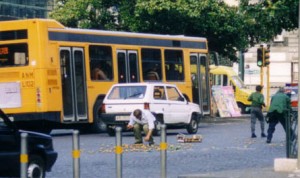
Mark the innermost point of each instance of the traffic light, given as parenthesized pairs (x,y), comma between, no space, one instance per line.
(267,56)
(260,56)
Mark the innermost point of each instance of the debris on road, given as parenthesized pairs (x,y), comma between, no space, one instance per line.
(184,139)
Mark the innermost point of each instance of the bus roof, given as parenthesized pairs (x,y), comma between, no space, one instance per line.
(57,32)
(134,34)
(55,25)
(222,70)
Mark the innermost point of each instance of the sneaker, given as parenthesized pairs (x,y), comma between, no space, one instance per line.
(263,135)
(268,141)
(253,135)
(138,143)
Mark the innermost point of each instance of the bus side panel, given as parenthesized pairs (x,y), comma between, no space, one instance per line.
(53,80)
(25,78)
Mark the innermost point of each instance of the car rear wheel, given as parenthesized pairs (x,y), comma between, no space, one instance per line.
(157,129)
(36,167)
(192,127)
(158,122)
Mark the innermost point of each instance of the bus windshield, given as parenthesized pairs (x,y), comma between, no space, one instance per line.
(239,83)
(13,55)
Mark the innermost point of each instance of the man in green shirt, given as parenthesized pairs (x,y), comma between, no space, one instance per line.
(278,112)
(257,100)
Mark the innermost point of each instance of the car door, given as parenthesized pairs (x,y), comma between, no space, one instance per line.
(176,110)
(159,102)
(9,149)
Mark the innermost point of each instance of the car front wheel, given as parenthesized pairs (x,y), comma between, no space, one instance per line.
(192,127)
(36,167)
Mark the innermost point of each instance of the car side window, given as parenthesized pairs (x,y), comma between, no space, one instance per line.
(173,94)
(2,124)
(159,93)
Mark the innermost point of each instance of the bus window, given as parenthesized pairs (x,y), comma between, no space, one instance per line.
(220,80)
(100,63)
(151,64)
(133,67)
(225,80)
(174,65)
(13,55)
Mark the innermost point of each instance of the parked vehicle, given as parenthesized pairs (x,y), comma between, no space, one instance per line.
(225,76)
(41,155)
(165,101)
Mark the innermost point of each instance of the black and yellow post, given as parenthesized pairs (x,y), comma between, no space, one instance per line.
(76,154)
(119,151)
(24,155)
(163,151)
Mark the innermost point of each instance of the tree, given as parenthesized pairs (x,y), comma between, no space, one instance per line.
(92,14)
(267,19)
(228,29)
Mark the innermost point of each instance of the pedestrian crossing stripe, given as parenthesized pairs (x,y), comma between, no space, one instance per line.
(76,154)
(24,158)
(163,146)
(119,150)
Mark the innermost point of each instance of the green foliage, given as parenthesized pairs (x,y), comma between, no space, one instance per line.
(228,29)
(95,14)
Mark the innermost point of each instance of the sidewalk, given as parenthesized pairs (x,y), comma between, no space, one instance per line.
(248,173)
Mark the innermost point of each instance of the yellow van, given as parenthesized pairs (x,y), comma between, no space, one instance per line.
(226,76)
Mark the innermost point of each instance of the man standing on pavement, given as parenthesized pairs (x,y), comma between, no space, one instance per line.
(278,112)
(257,99)
(142,121)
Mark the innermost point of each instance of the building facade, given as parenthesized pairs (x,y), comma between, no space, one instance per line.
(20,9)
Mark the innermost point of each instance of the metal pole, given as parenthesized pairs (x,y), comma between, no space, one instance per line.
(119,151)
(268,87)
(262,76)
(163,151)
(24,155)
(76,154)
(298,162)
(242,65)
(288,134)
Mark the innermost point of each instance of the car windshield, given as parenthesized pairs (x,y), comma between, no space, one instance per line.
(239,83)
(127,92)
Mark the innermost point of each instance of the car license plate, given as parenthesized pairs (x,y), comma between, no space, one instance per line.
(122,118)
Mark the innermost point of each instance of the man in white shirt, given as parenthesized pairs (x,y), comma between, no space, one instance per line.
(139,121)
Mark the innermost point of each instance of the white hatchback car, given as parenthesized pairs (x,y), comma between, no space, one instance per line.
(165,101)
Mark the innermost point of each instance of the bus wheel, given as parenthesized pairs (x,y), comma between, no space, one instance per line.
(98,125)
(111,131)
(192,127)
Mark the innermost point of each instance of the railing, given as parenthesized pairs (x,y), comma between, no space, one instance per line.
(292,134)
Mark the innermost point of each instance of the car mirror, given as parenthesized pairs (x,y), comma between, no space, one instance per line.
(186,97)
(181,98)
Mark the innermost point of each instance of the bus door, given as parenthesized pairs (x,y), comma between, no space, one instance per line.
(73,84)
(128,70)
(200,83)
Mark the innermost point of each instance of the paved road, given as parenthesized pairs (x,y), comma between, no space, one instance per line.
(226,151)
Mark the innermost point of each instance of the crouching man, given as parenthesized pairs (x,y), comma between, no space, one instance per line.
(142,121)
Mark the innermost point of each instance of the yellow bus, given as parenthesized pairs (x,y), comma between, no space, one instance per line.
(54,77)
